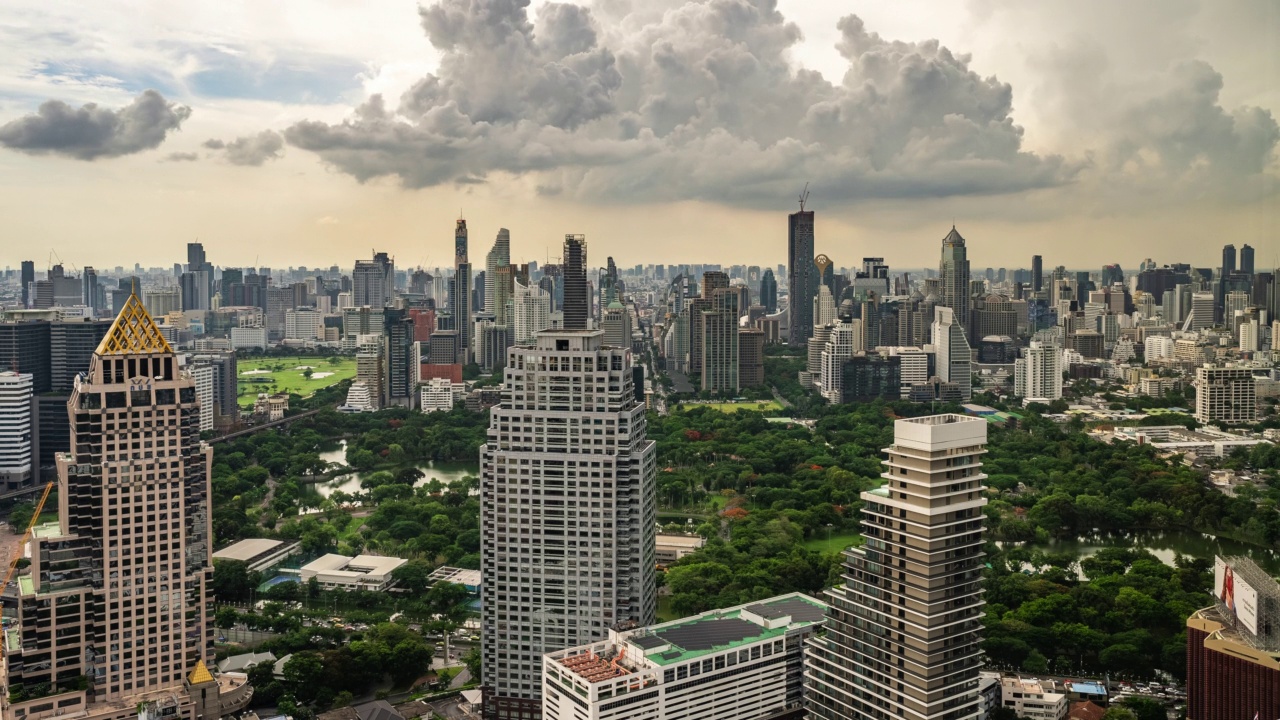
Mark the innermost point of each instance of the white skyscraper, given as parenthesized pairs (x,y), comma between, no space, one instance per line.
(1157,347)
(567,511)
(954,355)
(914,367)
(824,307)
(1038,374)
(1201,311)
(499,256)
(531,311)
(17,467)
(845,340)
(1249,335)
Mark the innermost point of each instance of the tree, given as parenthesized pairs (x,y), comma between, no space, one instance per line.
(303,673)
(233,581)
(20,517)
(412,576)
(226,617)
(1144,708)
(472,661)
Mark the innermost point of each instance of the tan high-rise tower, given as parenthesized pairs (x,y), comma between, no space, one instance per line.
(904,631)
(115,614)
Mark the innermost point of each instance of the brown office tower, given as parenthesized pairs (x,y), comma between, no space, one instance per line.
(1233,646)
(904,631)
(114,619)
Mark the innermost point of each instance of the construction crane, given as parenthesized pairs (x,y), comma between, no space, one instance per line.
(31,526)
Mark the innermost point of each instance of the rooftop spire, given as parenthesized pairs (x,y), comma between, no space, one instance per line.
(133,332)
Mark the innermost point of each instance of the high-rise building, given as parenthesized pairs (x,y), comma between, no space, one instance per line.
(954,355)
(844,340)
(1233,645)
(71,346)
(400,372)
(954,273)
(28,278)
(24,348)
(750,357)
(1228,260)
(90,289)
(904,631)
(219,370)
(499,256)
(824,307)
(769,292)
(1037,273)
(1038,374)
(195,290)
(18,450)
(1246,259)
(1225,394)
(870,376)
(720,341)
(460,299)
(1202,307)
(130,562)
(531,312)
(739,663)
(373,281)
(616,325)
(577,302)
(802,276)
(567,512)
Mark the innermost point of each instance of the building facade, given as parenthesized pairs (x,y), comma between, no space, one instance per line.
(129,564)
(802,276)
(954,356)
(1226,394)
(903,638)
(1038,375)
(17,431)
(954,272)
(567,514)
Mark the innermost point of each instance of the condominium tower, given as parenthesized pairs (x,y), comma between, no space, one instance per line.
(567,512)
(903,637)
(372,281)
(802,276)
(128,564)
(499,256)
(954,272)
(460,300)
(577,302)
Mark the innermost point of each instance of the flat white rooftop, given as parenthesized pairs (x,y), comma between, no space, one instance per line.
(246,550)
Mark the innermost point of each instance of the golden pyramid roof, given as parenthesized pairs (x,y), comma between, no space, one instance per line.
(200,675)
(133,333)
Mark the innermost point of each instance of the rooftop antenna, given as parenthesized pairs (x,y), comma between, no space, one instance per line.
(804,196)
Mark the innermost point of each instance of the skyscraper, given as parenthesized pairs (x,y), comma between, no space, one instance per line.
(954,354)
(953,270)
(1246,259)
(130,559)
(577,303)
(802,276)
(90,289)
(461,298)
(567,512)
(1229,259)
(28,277)
(1037,273)
(17,431)
(1038,374)
(499,256)
(769,292)
(720,342)
(373,281)
(904,631)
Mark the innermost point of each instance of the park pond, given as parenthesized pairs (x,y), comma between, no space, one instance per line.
(445,472)
(1166,545)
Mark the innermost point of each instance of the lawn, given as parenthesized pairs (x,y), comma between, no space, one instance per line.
(286,375)
(759,406)
(838,542)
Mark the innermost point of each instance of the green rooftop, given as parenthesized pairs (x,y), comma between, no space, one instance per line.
(26,585)
(48,530)
(13,639)
(716,631)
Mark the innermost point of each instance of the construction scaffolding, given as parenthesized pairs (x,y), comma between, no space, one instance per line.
(1267,637)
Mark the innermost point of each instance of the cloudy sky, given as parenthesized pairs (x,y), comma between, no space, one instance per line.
(309,132)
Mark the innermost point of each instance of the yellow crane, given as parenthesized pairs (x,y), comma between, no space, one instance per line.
(31,526)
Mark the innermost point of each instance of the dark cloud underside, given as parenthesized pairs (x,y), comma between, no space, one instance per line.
(91,132)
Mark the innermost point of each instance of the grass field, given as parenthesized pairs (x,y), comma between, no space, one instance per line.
(759,406)
(286,375)
(838,542)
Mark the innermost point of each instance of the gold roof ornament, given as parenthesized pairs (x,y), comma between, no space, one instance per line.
(133,333)
(200,675)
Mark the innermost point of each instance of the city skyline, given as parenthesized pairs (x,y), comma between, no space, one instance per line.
(262,108)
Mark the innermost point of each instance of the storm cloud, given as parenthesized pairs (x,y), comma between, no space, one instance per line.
(253,150)
(698,102)
(92,132)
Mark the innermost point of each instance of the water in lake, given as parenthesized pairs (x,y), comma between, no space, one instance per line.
(1165,545)
(445,472)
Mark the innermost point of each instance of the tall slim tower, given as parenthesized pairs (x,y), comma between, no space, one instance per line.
(373,281)
(954,273)
(1228,259)
(904,631)
(28,277)
(577,302)
(499,256)
(130,563)
(1037,273)
(1246,259)
(567,512)
(955,357)
(461,299)
(802,275)
(769,292)
(17,431)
